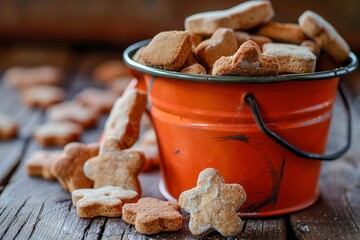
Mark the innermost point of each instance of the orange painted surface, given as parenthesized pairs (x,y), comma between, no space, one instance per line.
(202,125)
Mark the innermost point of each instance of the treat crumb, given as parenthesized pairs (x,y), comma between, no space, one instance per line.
(304,228)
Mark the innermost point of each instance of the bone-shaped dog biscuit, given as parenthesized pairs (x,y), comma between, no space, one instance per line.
(282,32)
(325,35)
(242,17)
(123,123)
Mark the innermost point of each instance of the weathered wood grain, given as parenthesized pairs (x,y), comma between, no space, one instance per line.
(10,99)
(10,155)
(337,213)
(271,228)
(11,150)
(39,209)
(253,229)
(33,208)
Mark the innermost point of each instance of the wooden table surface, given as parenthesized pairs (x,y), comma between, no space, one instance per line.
(33,208)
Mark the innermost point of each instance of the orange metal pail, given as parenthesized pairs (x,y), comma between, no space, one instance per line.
(250,129)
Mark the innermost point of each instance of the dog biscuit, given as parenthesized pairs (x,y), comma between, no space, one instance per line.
(23,77)
(106,201)
(244,16)
(46,75)
(282,32)
(212,205)
(115,167)
(137,56)
(57,133)
(101,100)
(247,61)
(151,215)
(109,70)
(148,144)
(242,37)
(191,59)
(73,112)
(16,77)
(292,58)
(119,85)
(195,68)
(325,35)
(8,127)
(39,164)
(222,43)
(68,169)
(123,123)
(167,50)
(42,96)
(195,40)
(313,46)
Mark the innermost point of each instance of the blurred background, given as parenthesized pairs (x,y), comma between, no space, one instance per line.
(34,31)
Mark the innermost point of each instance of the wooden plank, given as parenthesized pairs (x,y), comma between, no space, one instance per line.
(271,228)
(35,208)
(10,155)
(27,119)
(39,209)
(337,213)
(49,208)
(253,229)
(11,150)
(24,197)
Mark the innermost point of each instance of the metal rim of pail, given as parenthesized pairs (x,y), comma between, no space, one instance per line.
(350,66)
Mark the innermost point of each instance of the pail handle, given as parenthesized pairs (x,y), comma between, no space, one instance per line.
(251,101)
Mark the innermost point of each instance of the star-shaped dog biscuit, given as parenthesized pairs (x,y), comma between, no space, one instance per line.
(151,215)
(68,169)
(212,205)
(106,201)
(115,167)
(247,61)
